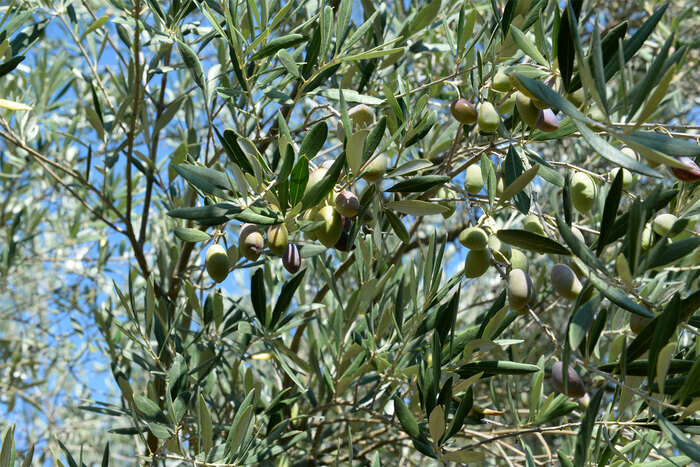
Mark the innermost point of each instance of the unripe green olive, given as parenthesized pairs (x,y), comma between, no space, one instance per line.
(547,121)
(310,216)
(583,192)
(329,233)
(473,182)
(527,110)
(647,237)
(250,242)
(574,386)
(477,263)
(217,263)
(376,169)
(637,323)
(501,82)
(315,177)
(576,97)
(532,223)
(291,259)
(488,118)
(463,111)
(627,179)
(347,204)
(520,290)
(450,205)
(518,260)
(277,238)
(565,281)
(361,116)
(596,114)
(474,238)
(577,233)
(663,223)
(506,107)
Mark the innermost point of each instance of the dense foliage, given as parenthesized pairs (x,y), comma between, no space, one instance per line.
(292,232)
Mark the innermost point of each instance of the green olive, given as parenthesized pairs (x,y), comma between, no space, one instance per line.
(217,263)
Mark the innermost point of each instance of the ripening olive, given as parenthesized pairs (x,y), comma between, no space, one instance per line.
(663,223)
(547,121)
(637,323)
(565,281)
(474,238)
(250,242)
(329,233)
(347,204)
(574,386)
(583,192)
(532,223)
(463,111)
(689,174)
(376,169)
(521,290)
(291,259)
(473,182)
(477,263)
(488,118)
(277,238)
(217,263)
(527,110)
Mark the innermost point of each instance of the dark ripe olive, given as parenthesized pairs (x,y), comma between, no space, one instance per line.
(343,242)
(574,386)
(291,260)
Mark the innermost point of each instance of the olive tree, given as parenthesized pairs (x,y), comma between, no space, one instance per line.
(349,231)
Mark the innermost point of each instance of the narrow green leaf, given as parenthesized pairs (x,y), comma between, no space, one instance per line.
(519,184)
(284,42)
(314,140)
(583,438)
(414,207)
(191,235)
(97,24)
(532,242)
(419,184)
(495,367)
(408,422)
(678,438)
(193,64)
(298,180)
(612,203)
(286,296)
(322,188)
(398,226)
(527,46)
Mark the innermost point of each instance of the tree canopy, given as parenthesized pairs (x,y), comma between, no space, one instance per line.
(315,232)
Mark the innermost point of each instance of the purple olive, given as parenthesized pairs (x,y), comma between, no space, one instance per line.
(463,111)
(347,204)
(574,385)
(691,174)
(291,259)
(342,244)
(547,121)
